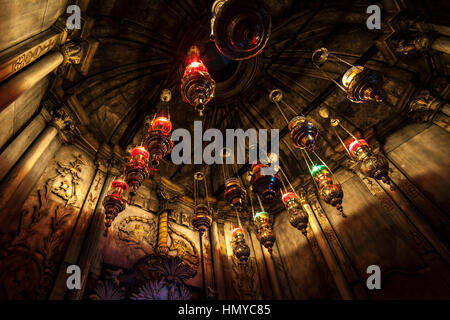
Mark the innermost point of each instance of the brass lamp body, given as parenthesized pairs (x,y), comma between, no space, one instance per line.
(265,233)
(373,165)
(303,133)
(234,193)
(266,186)
(330,192)
(240,248)
(240,29)
(202,218)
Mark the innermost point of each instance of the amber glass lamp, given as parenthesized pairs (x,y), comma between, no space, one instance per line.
(302,131)
(359,83)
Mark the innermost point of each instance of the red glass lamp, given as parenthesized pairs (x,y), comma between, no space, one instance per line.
(114,202)
(158,139)
(137,170)
(197,86)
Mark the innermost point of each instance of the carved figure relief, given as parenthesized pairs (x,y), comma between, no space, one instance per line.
(67,179)
(30,259)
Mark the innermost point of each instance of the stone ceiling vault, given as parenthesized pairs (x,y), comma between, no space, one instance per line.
(142,48)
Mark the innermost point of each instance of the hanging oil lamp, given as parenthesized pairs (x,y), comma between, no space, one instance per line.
(197,86)
(114,203)
(298,218)
(240,29)
(158,140)
(359,83)
(234,192)
(303,132)
(136,170)
(330,190)
(265,186)
(264,231)
(240,248)
(372,165)
(202,214)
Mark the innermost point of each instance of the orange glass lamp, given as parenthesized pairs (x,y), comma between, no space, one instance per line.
(158,139)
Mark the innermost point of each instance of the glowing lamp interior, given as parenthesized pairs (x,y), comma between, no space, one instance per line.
(356,144)
(119,184)
(350,74)
(288,196)
(195,66)
(140,151)
(236,231)
(318,169)
(163,124)
(262,215)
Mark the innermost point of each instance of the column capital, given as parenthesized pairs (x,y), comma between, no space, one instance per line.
(115,167)
(72,52)
(64,123)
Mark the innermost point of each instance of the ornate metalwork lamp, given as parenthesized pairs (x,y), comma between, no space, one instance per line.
(298,218)
(372,165)
(240,29)
(158,140)
(137,170)
(330,190)
(265,186)
(202,213)
(234,192)
(303,132)
(197,86)
(264,231)
(240,248)
(359,83)
(114,203)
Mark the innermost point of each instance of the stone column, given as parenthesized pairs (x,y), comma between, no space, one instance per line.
(328,254)
(92,246)
(12,153)
(272,274)
(16,85)
(17,185)
(217,259)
